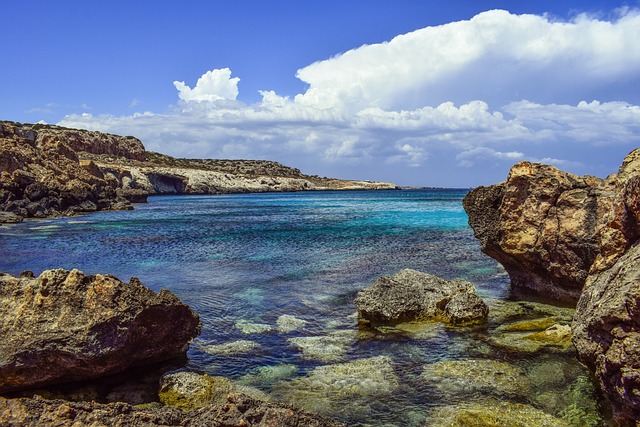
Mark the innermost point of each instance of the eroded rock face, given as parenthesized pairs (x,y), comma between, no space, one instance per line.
(606,333)
(64,326)
(413,295)
(41,175)
(49,170)
(551,229)
(239,410)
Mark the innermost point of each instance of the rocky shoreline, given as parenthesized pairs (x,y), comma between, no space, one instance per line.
(575,239)
(48,170)
(572,239)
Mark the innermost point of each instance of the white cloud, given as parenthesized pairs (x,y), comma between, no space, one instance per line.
(215,85)
(492,56)
(471,96)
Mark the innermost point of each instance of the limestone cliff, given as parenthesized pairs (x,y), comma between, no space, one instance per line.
(49,170)
(551,229)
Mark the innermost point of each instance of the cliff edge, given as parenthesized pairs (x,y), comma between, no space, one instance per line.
(49,170)
(550,229)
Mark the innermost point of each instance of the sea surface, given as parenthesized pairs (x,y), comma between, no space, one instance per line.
(273,277)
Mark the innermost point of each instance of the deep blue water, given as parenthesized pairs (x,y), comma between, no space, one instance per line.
(239,259)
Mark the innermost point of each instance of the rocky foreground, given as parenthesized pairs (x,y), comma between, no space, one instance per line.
(575,239)
(49,170)
(64,326)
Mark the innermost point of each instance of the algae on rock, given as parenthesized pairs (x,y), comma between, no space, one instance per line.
(492,413)
(477,376)
(189,390)
(344,388)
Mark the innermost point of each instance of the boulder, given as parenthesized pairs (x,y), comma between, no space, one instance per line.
(413,295)
(66,326)
(606,334)
(238,410)
(551,229)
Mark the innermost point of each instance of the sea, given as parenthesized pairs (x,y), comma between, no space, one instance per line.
(273,277)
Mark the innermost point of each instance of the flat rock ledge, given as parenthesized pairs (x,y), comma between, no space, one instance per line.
(606,334)
(66,326)
(411,295)
(238,410)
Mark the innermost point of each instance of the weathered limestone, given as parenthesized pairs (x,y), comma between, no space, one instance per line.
(64,326)
(606,333)
(238,410)
(49,170)
(550,229)
(413,295)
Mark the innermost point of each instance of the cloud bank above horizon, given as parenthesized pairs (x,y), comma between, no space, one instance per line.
(454,104)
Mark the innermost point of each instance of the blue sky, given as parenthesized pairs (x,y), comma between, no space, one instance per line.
(418,93)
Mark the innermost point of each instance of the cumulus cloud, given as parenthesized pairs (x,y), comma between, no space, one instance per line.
(214,85)
(493,56)
(455,104)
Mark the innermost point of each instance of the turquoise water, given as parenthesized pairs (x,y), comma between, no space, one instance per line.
(243,261)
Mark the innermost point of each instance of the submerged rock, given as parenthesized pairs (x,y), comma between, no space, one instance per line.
(252,328)
(288,323)
(234,347)
(326,348)
(550,229)
(413,295)
(237,410)
(477,376)
(64,326)
(344,388)
(269,375)
(554,339)
(492,413)
(606,332)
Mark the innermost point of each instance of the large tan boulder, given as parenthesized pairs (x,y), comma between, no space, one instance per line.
(551,229)
(65,326)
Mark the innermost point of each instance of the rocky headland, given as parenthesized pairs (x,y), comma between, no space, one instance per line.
(48,170)
(574,239)
(551,229)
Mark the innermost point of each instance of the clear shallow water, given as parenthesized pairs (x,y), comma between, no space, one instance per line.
(249,259)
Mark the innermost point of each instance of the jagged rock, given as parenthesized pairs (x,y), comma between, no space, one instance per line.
(239,410)
(9,217)
(64,326)
(41,175)
(550,229)
(606,333)
(413,295)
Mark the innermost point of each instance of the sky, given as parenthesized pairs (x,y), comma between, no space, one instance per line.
(444,94)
